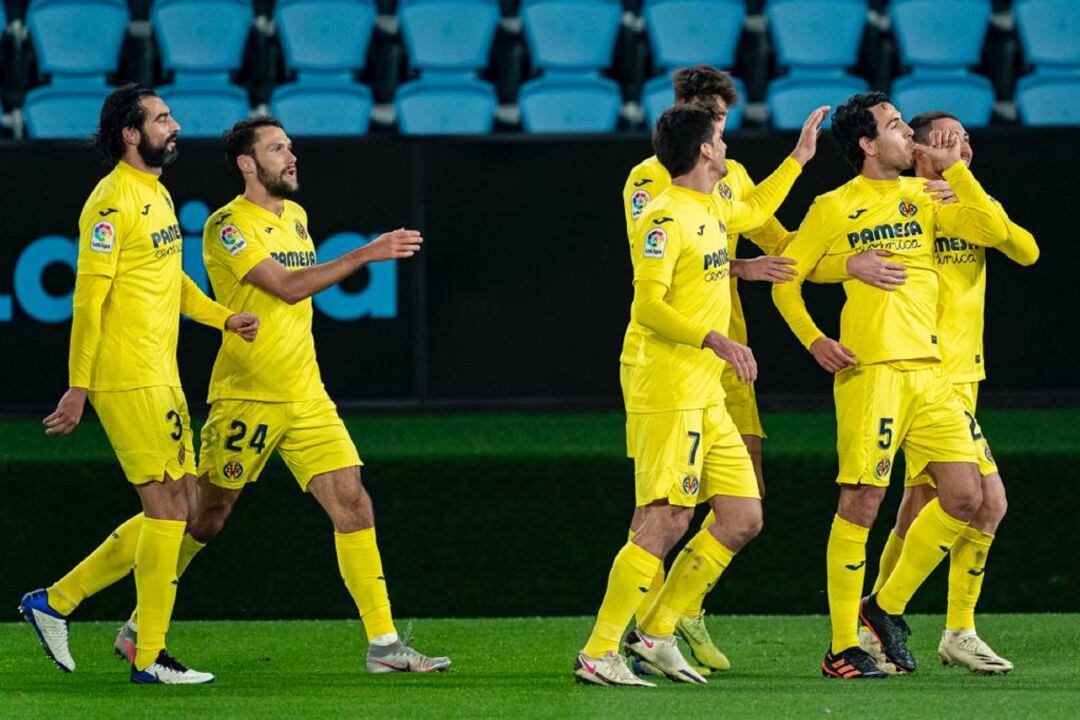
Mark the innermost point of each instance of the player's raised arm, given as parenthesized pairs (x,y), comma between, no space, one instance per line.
(807,250)
(974,217)
(763,202)
(292,286)
(1020,247)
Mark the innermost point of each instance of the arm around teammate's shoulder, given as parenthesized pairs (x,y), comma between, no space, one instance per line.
(292,286)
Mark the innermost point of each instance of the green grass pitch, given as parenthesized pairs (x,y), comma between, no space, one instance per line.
(520,668)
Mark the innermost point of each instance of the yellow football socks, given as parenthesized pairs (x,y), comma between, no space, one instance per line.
(111,561)
(927,543)
(693,574)
(156,559)
(694,609)
(966,564)
(631,575)
(361,569)
(889,556)
(845,561)
(654,590)
(188,549)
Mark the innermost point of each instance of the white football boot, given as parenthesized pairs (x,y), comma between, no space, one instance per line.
(663,654)
(966,649)
(610,669)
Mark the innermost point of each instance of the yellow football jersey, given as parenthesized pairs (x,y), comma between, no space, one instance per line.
(962,297)
(898,216)
(128,232)
(280,365)
(681,242)
(649,178)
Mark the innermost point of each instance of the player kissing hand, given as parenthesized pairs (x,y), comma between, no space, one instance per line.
(870,268)
(831,355)
(943,150)
(245,325)
(740,356)
(766,268)
(68,413)
(806,148)
(400,243)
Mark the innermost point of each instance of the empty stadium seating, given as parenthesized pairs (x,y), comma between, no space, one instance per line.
(202,43)
(444,66)
(325,42)
(77,42)
(570,42)
(449,42)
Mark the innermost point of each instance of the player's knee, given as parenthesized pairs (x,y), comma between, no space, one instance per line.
(748,528)
(963,502)
(994,504)
(209,521)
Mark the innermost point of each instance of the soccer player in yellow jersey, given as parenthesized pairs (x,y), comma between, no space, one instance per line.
(890,389)
(961,302)
(269,395)
(685,447)
(713,89)
(130,290)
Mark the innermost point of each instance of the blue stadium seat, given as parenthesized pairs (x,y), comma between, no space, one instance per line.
(1049,99)
(448,35)
(77,40)
(1049,32)
(685,32)
(324,37)
(969,97)
(941,34)
(792,98)
(569,104)
(816,33)
(205,111)
(63,111)
(308,108)
(201,40)
(445,106)
(570,34)
(658,95)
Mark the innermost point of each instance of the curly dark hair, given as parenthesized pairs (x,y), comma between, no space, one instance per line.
(122,109)
(679,133)
(922,123)
(240,139)
(701,83)
(853,121)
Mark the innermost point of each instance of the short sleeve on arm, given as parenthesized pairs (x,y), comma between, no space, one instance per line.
(657,244)
(102,227)
(233,244)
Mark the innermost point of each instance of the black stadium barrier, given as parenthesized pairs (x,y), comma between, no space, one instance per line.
(521,293)
(510,536)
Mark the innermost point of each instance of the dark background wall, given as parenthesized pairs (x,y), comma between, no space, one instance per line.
(523,288)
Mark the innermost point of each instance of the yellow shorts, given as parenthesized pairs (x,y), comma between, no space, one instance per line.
(688,456)
(741,403)
(881,409)
(240,435)
(969,395)
(150,431)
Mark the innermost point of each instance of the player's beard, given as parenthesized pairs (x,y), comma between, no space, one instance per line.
(276,187)
(156,156)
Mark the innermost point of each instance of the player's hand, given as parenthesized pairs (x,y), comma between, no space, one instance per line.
(68,413)
(766,268)
(806,148)
(400,243)
(943,150)
(941,192)
(245,325)
(740,356)
(831,355)
(870,268)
